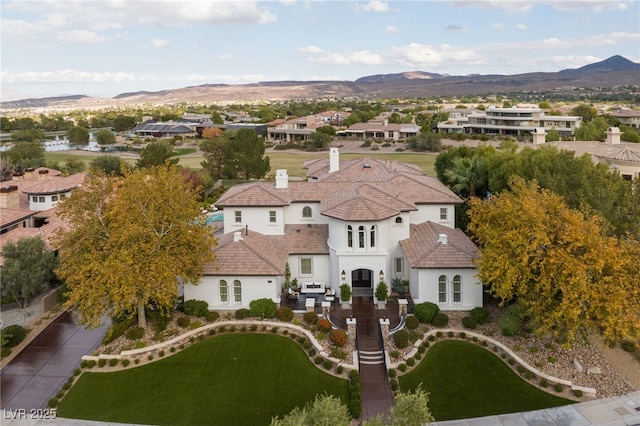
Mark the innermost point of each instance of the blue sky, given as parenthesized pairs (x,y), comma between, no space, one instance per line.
(107,47)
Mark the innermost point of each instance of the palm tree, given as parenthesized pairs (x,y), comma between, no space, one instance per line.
(467,175)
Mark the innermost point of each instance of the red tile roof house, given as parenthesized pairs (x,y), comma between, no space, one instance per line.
(364,220)
(28,204)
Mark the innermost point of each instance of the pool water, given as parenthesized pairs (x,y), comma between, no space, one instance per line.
(215,217)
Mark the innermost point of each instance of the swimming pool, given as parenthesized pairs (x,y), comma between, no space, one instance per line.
(215,217)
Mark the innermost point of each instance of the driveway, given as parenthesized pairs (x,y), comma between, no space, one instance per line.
(37,373)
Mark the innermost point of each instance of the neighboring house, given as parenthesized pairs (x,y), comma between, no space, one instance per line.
(353,222)
(629,117)
(380,129)
(623,157)
(299,129)
(167,129)
(512,121)
(28,204)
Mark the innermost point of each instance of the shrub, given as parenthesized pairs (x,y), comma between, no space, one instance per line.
(394,354)
(53,402)
(425,311)
(12,335)
(102,362)
(212,316)
(392,373)
(469,322)
(113,362)
(431,338)
(338,353)
(412,322)
(578,393)
(401,339)
(481,315)
(440,320)
(242,313)
(628,346)
(197,308)
(320,336)
(328,365)
(394,384)
(161,354)
(324,325)
(284,314)
(183,322)
(558,387)
(310,317)
(552,359)
(451,334)
(134,333)
(509,325)
(339,369)
(338,337)
(5,352)
(402,367)
(158,319)
(462,335)
(91,364)
(544,383)
(125,362)
(263,308)
(411,362)
(77,372)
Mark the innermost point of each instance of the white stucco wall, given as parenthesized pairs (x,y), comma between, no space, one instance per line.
(320,270)
(431,212)
(257,218)
(293,214)
(252,288)
(426,289)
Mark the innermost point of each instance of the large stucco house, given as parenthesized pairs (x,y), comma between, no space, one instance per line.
(353,222)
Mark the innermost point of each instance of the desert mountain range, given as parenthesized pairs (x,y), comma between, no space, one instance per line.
(614,71)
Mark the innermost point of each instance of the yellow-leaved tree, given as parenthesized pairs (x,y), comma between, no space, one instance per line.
(559,265)
(129,240)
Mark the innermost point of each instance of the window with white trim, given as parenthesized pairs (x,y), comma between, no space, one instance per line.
(361,236)
(349,236)
(238,216)
(224,292)
(237,292)
(54,198)
(443,213)
(306,212)
(306,266)
(398,220)
(442,289)
(398,265)
(372,236)
(41,199)
(272,216)
(457,289)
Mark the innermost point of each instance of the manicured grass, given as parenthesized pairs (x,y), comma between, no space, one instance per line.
(240,379)
(465,381)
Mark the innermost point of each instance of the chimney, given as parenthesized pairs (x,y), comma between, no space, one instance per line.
(29,172)
(17,176)
(9,197)
(613,136)
(282,179)
(539,136)
(237,236)
(43,174)
(442,238)
(334,160)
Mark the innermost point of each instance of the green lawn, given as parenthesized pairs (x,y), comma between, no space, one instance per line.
(465,381)
(240,379)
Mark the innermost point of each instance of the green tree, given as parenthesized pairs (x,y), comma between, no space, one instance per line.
(566,275)
(327,130)
(73,166)
(78,135)
(468,176)
(27,135)
(128,242)
(109,164)
(216,118)
(544,105)
(28,268)
(105,137)
(325,410)
(23,123)
(155,154)
(213,151)
(6,168)
(429,141)
(411,409)
(552,135)
(27,154)
(244,155)
(318,141)
(123,123)
(587,112)
(594,130)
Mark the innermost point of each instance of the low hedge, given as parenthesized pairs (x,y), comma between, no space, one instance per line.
(13,335)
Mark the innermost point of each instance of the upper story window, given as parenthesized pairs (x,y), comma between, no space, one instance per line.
(41,199)
(443,213)
(272,216)
(306,212)
(238,216)
(372,236)
(54,198)
(349,236)
(398,220)
(361,236)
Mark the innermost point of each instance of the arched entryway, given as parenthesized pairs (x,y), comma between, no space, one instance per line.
(362,282)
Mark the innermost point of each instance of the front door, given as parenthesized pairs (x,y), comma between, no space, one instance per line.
(362,278)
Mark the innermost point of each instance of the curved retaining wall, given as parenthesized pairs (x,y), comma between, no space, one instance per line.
(586,390)
(204,330)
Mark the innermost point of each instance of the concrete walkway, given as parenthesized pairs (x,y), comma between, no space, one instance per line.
(37,373)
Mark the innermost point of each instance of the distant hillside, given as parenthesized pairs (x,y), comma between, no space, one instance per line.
(614,71)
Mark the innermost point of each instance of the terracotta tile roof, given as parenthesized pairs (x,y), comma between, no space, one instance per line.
(363,203)
(50,185)
(256,194)
(10,216)
(253,255)
(305,239)
(424,251)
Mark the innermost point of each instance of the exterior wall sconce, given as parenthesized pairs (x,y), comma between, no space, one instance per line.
(381,275)
(344,275)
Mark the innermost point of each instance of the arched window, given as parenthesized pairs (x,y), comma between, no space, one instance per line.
(306,211)
(372,236)
(398,220)
(361,236)
(237,291)
(349,236)
(442,289)
(224,292)
(457,289)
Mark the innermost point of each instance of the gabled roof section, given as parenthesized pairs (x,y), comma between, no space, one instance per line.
(368,170)
(424,250)
(363,203)
(252,255)
(305,239)
(258,194)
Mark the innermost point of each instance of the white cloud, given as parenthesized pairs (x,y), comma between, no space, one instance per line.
(158,42)
(560,5)
(81,36)
(452,27)
(522,27)
(375,6)
(66,76)
(391,29)
(498,26)
(225,57)
(310,50)
(508,5)
(595,5)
